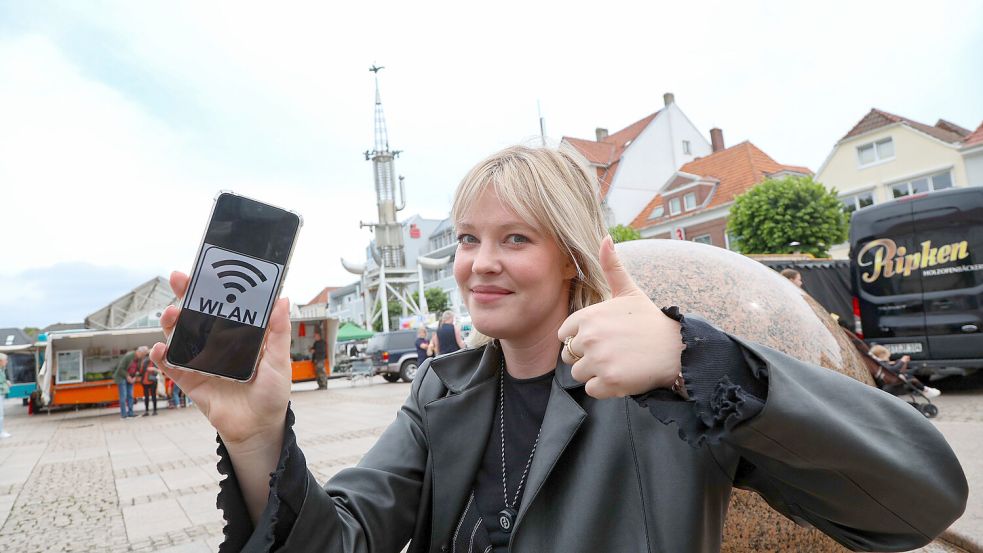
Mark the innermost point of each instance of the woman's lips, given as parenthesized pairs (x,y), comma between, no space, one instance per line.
(487,294)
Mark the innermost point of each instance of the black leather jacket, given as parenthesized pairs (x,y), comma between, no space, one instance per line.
(821,448)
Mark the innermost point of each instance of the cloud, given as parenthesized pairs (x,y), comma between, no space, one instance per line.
(64,292)
(122,120)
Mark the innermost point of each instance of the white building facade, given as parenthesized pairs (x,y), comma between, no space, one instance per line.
(635,162)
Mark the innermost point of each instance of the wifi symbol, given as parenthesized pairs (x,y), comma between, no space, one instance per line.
(231,298)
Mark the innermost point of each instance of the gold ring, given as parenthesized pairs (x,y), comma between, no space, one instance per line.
(566,345)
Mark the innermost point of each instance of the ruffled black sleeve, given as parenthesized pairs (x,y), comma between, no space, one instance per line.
(726,384)
(288,488)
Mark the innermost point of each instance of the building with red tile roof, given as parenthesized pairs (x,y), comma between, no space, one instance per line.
(322,296)
(634,162)
(696,199)
(885,156)
(972,152)
(975,138)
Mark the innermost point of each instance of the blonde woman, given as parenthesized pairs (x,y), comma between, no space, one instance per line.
(553,432)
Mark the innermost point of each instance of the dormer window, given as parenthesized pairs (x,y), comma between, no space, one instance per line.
(689,201)
(657,211)
(874,152)
(674,207)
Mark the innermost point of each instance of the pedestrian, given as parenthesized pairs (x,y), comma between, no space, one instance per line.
(125,375)
(319,352)
(448,338)
(422,345)
(176,395)
(584,417)
(148,379)
(794,276)
(4,389)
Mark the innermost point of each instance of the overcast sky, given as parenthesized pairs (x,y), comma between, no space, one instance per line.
(120,121)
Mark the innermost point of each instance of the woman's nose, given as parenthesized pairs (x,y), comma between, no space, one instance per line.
(486,259)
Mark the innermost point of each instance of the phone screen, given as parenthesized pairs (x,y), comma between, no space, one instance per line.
(235,281)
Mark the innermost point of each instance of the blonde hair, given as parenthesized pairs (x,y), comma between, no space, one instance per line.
(880,352)
(554,190)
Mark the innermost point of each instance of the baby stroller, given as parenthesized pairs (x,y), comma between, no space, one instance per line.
(900,384)
(891,377)
(361,370)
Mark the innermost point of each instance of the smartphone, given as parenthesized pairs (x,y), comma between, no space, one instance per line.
(236,279)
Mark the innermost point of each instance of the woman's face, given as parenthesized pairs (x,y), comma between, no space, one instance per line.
(513,277)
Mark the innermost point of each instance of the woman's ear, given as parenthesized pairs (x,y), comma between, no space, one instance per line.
(570,270)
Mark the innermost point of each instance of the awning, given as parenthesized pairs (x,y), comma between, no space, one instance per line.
(351,331)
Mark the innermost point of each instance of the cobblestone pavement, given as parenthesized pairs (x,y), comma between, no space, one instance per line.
(960,419)
(88,481)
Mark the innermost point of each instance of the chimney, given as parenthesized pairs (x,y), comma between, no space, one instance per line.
(601,133)
(668,98)
(717,139)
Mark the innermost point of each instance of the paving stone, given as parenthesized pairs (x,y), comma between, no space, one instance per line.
(89,482)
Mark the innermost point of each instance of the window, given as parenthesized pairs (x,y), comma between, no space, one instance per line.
(69,365)
(657,211)
(921,185)
(686,147)
(689,201)
(705,239)
(674,207)
(854,202)
(875,151)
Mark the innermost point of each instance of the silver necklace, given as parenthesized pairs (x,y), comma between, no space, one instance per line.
(506,517)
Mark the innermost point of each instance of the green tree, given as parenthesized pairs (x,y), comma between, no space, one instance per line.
(622,233)
(793,214)
(437,300)
(395,312)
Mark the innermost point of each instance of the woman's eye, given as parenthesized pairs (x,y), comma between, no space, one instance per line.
(466,239)
(516,239)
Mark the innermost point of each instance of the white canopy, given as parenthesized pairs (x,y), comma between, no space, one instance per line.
(141,307)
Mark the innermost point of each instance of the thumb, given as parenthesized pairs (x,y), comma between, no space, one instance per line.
(278,339)
(617,277)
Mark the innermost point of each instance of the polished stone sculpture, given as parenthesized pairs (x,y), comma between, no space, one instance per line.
(747,299)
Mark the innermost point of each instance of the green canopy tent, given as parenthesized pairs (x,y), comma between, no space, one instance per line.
(351,331)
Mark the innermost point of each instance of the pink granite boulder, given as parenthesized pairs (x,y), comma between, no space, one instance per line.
(747,299)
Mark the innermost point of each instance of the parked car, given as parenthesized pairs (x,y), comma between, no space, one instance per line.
(917,276)
(393,354)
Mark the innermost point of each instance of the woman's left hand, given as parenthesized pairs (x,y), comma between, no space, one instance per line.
(625,345)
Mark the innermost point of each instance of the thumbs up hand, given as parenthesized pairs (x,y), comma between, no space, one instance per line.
(625,345)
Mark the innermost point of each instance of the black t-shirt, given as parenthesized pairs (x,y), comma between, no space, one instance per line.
(320,350)
(525,407)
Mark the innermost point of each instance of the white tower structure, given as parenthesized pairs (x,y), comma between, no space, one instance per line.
(390,275)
